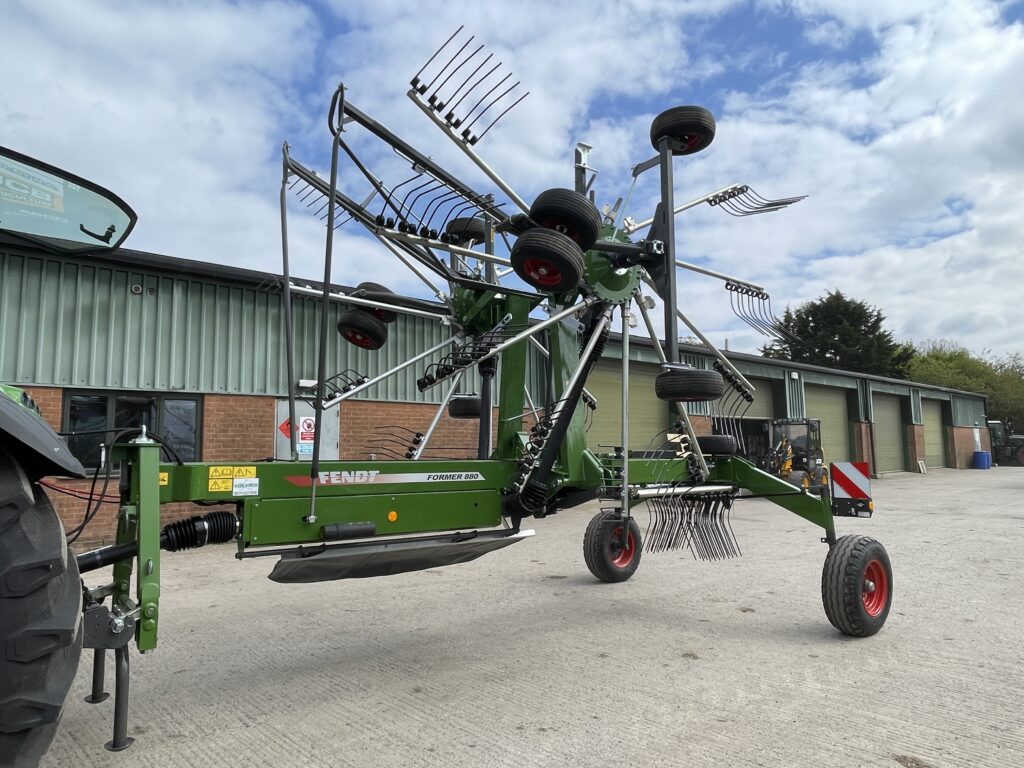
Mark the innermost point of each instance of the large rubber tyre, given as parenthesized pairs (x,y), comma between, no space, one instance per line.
(384,315)
(464,407)
(40,618)
(547,260)
(689,385)
(856,585)
(717,445)
(362,329)
(468,229)
(568,212)
(603,552)
(694,127)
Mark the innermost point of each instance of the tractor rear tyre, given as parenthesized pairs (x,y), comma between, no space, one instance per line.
(469,230)
(693,127)
(717,445)
(547,260)
(568,212)
(362,329)
(464,407)
(856,585)
(384,315)
(689,385)
(603,552)
(40,618)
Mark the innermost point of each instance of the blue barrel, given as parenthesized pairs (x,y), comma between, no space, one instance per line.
(982,460)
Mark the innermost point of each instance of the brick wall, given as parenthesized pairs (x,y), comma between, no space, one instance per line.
(960,445)
(861,445)
(369,427)
(238,427)
(701,425)
(915,446)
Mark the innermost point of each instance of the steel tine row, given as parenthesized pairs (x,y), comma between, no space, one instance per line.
(703,525)
(464,88)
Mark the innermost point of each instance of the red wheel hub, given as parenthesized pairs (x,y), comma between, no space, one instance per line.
(622,556)
(358,338)
(542,272)
(875,588)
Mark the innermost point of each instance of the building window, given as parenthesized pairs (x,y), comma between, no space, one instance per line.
(96,417)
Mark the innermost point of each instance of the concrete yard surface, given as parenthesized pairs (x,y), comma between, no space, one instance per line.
(521,658)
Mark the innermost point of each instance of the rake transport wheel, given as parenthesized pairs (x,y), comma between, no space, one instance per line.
(468,229)
(689,385)
(603,552)
(40,618)
(376,290)
(717,445)
(693,127)
(568,212)
(464,407)
(547,260)
(856,585)
(362,329)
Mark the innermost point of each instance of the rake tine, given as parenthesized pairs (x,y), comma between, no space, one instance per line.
(494,87)
(416,78)
(433,96)
(495,120)
(451,112)
(402,205)
(432,186)
(754,302)
(455,122)
(440,103)
(484,110)
(391,192)
(439,201)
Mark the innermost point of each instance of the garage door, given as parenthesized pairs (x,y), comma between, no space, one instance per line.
(934,444)
(888,429)
(648,416)
(763,406)
(828,405)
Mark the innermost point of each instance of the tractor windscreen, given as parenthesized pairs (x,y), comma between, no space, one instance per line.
(58,210)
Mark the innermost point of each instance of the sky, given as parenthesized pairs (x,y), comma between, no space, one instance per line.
(900,121)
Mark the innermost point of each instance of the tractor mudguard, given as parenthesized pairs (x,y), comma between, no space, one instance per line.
(40,450)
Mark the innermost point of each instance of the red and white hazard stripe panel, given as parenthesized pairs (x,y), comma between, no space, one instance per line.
(851,489)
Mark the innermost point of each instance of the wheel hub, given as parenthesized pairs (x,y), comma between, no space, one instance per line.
(875,588)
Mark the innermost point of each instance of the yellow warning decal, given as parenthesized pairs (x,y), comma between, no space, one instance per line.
(220,486)
(165,478)
(245,472)
(218,472)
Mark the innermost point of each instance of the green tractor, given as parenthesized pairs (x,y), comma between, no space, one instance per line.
(326,520)
(1007,448)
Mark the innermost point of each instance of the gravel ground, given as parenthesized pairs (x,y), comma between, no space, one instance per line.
(522,659)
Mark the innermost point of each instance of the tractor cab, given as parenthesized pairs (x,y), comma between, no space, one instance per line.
(795,454)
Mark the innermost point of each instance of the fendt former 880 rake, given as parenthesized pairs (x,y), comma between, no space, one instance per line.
(328,520)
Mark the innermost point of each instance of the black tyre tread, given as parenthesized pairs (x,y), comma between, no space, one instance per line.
(470,229)
(465,407)
(365,323)
(40,619)
(384,315)
(717,445)
(551,245)
(688,124)
(689,385)
(596,553)
(841,585)
(571,210)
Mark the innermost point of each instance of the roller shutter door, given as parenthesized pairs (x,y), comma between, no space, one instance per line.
(763,406)
(888,428)
(934,444)
(828,405)
(648,416)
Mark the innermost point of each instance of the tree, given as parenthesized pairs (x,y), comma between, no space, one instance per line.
(1001,380)
(838,332)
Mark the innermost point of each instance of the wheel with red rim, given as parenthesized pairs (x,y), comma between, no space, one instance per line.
(547,260)
(570,213)
(857,585)
(377,292)
(607,556)
(693,127)
(362,329)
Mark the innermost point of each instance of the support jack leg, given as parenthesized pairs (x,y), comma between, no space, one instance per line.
(99,660)
(121,738)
